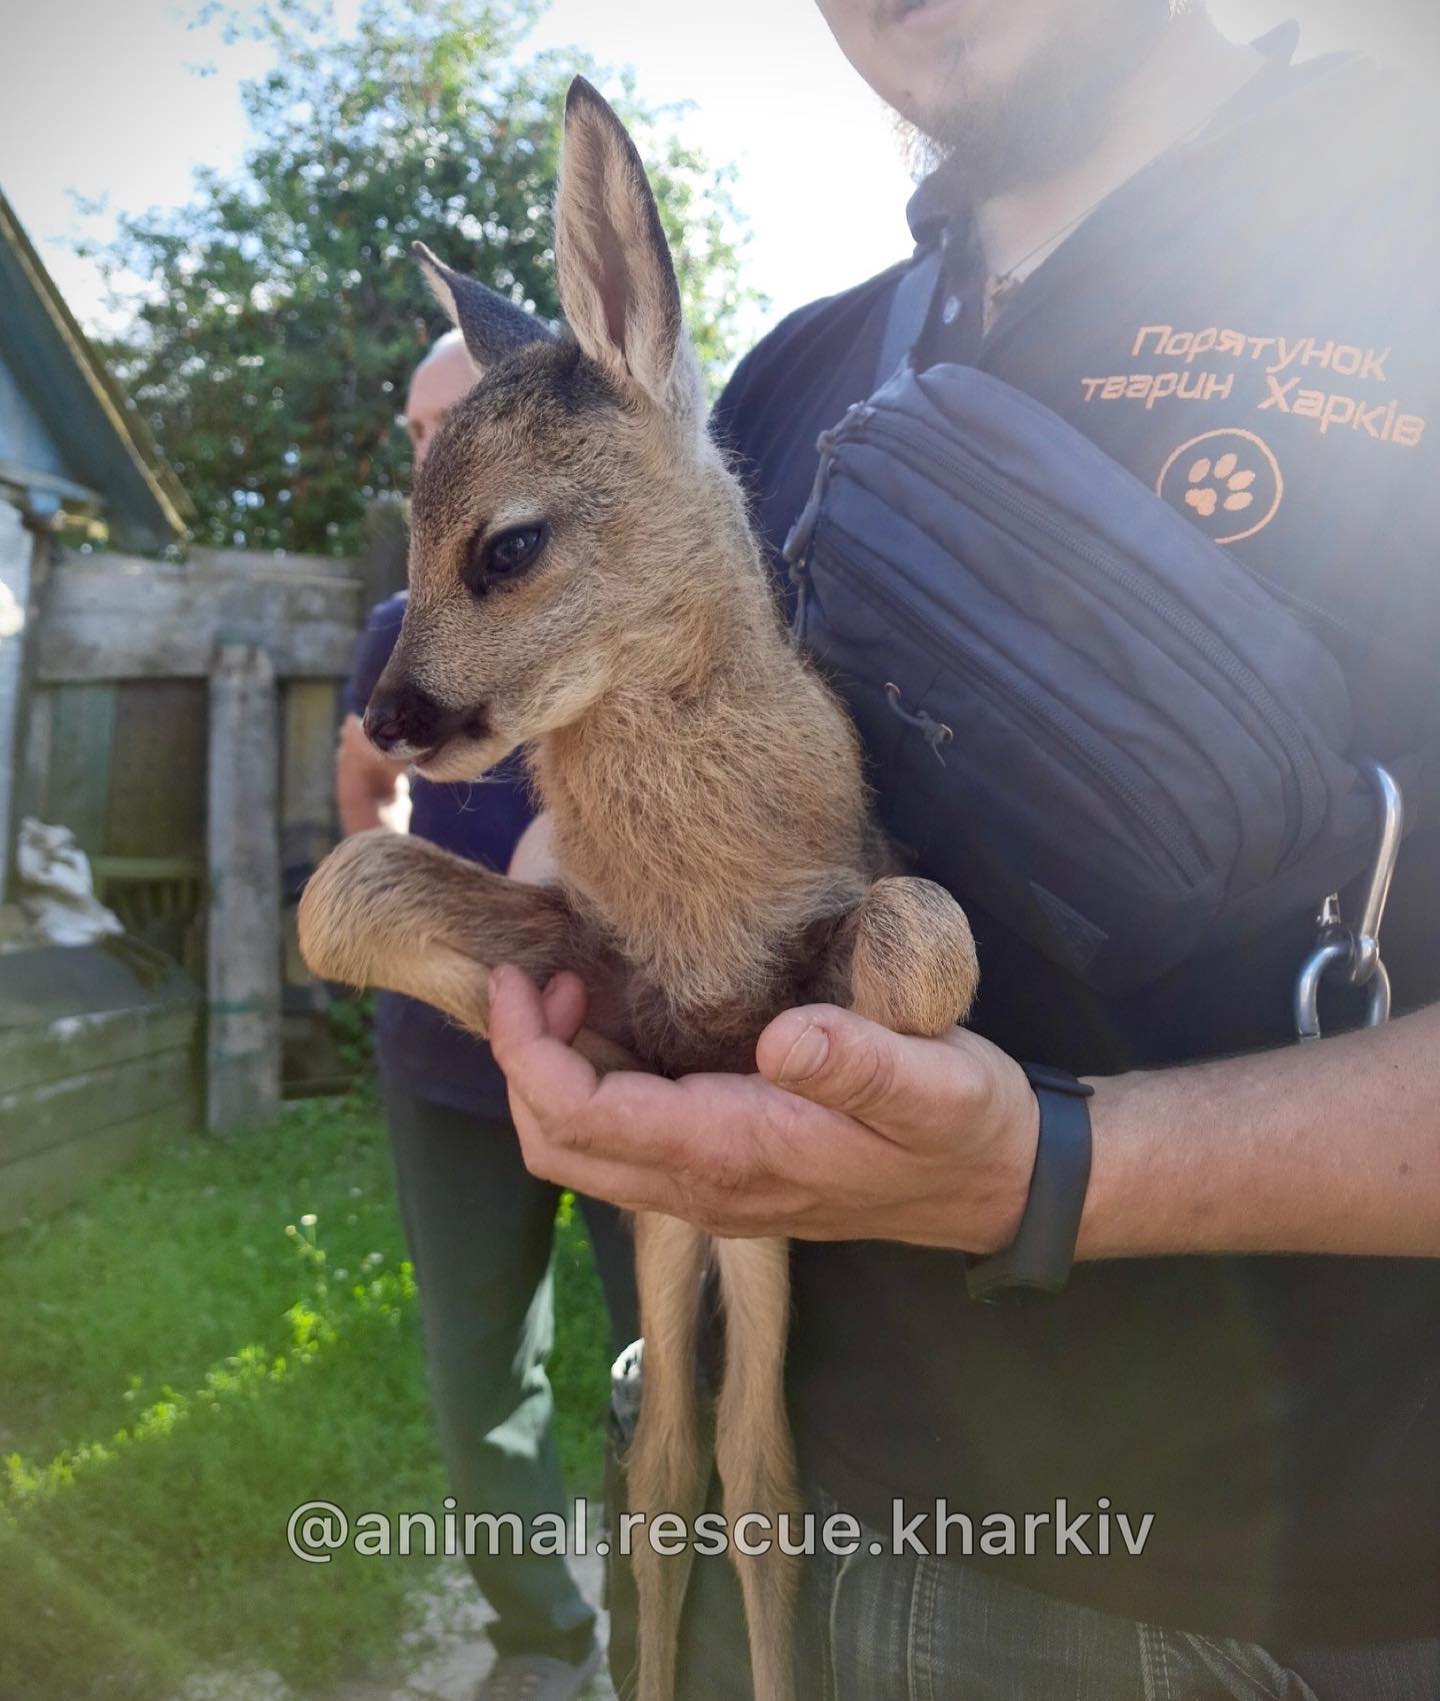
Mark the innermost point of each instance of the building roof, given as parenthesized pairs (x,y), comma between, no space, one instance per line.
(109,455)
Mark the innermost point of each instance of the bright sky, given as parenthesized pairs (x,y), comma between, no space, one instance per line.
(822,179)
(101,98)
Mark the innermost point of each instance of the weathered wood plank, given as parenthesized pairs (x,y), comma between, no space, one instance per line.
(52,1113)
(307,801)
(312,717)
(77,786)
(135,644)
(243,950)
(45,1181)
(38,742)
(74,1045)
(110,617)
(55,981)
(135,868)
(320,569)
(156,805)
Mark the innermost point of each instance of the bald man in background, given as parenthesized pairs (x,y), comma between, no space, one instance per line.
(480,1228)
(369,787)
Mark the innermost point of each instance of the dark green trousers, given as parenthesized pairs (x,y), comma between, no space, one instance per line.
(480,1230)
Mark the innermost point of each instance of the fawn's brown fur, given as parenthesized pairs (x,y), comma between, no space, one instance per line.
(717,860)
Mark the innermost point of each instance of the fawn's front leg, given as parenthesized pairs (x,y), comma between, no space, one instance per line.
(386,910)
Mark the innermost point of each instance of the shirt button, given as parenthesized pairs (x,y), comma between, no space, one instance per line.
(950,312)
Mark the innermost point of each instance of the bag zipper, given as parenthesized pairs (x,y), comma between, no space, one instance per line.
(1169,836)
(864,419)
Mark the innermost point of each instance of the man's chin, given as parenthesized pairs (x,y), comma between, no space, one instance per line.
(461,761)
(1036,93)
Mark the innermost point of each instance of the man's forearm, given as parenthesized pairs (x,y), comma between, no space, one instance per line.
(848,1131)
(1332,1147)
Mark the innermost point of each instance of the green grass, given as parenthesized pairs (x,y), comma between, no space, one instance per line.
(225,1331)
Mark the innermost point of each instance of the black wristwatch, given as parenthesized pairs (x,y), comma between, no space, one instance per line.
(1040,1257)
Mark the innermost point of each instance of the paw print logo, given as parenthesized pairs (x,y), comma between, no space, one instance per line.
(1228,482)
(1220,483)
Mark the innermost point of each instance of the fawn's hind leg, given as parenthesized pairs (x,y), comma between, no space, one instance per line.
(904,958)
(667,1465)
(754,1453)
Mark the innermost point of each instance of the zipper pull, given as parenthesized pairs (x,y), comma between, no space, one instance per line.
(935,733)
(801,534)
(798,539)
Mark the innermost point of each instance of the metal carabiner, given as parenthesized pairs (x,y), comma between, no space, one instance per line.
(1355,951)
(1313,971)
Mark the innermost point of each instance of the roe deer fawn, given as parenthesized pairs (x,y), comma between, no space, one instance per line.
(584,582)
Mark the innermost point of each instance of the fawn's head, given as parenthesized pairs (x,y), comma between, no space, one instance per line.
(551,516)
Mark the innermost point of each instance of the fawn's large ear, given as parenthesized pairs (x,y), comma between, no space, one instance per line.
(616,277)
(491,325)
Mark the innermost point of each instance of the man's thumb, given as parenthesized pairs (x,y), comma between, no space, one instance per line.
(834,1058)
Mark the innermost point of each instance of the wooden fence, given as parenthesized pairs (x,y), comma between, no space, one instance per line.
(100,1054)
(181,721)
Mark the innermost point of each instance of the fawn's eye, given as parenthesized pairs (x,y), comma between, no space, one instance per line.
(503,556)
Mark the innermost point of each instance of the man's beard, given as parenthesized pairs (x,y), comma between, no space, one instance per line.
(1054,111)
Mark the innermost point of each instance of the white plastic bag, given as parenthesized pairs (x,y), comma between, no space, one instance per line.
(57,892)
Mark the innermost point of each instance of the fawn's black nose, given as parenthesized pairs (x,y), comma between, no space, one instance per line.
(404,715)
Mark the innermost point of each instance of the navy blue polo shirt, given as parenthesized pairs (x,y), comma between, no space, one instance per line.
(1249,327)
(417,1046)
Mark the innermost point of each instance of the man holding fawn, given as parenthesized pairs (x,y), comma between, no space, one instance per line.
(1246,1349)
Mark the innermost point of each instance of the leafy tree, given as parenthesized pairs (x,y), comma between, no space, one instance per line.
(271,352)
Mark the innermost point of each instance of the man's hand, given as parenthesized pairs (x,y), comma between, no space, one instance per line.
(847,1131)
(367,784)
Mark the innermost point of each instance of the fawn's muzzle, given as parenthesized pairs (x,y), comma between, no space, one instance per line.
(404,721)
(405,716)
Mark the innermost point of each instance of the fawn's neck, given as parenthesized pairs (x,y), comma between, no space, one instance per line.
(706,820)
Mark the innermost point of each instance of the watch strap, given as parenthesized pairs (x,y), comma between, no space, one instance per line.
(1040,1257)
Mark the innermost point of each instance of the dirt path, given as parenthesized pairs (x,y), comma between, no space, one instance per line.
(444,1660)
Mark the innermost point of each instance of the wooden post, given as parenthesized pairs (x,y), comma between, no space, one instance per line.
(243,950)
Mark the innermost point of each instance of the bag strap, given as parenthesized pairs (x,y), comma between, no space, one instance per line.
(909,314)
